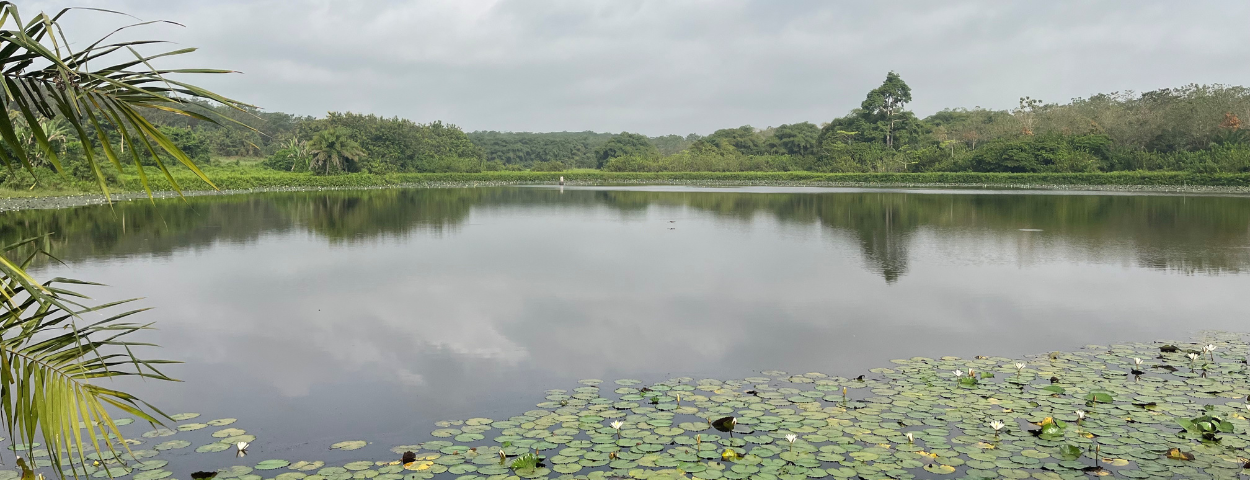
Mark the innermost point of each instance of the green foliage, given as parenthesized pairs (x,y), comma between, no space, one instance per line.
(1049,153)
(1207,425)
(884,105)
(1051,427)
(1070,452)
(798,139)
(400,145)
(552,166)
(1098,397)
(333,151)
(525,149)
(528,461)
(63,116)
(625,144)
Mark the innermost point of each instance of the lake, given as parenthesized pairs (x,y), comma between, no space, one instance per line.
(317,317)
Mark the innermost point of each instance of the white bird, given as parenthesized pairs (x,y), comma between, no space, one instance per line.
(561,179)
(241,448)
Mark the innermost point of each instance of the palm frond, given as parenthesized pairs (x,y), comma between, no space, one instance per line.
(49,352)
(45,78)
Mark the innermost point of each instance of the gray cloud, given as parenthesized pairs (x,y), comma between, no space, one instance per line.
(661,67)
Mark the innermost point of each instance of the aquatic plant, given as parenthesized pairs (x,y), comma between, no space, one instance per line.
(896,424)
(528,460)
(49,358)
(997,426)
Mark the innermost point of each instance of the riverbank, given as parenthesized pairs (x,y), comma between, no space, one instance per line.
(233,181)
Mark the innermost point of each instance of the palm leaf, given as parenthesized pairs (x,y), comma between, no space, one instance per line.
(48,354)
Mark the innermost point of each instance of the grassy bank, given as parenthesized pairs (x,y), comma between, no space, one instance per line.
(255,178)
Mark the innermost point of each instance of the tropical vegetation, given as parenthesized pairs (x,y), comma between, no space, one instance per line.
(78,111)
(1194,128)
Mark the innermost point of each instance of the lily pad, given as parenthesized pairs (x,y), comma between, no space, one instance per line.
(349,445)
(272,464)
(212,447)
(228,432)
(172,445)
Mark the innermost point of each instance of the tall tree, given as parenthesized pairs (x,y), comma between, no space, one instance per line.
(334,147)
(887,102)
(623,145)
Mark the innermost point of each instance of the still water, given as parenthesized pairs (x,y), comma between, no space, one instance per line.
(329,316)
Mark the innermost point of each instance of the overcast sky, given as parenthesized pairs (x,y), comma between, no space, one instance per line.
(668,66)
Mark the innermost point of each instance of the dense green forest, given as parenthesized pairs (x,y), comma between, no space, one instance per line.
(1194,128)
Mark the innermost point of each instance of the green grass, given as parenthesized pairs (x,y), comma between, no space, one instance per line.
(246,175)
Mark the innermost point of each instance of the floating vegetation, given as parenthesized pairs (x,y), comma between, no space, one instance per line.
(1134,410)
(1102,411)
(349,445)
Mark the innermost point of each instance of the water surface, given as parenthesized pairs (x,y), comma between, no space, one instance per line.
(317,317)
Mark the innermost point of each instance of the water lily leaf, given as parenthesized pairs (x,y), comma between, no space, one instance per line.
(1069,451)
(1099,397)
(939,469)
(233,471)
(228,432)
(221,422)
(419,465)
(349,445)
(307,466)
(187,427)
(272,464)
(172,445)
(149,464)
(152,475)
(1177,454)
(160,432)
(231,441)
(178,417)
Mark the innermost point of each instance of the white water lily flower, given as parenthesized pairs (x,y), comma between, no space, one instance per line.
(791,437)
(1137,361)
(1080,414)
(1021,365)
(997,425)
(1192,356)
(911,438)
(958,373)
(618,424)
(241,448)
(1209,348)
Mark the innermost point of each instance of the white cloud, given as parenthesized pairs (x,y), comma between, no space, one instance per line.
(676,67)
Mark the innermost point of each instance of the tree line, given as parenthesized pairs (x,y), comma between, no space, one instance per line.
(1191,128)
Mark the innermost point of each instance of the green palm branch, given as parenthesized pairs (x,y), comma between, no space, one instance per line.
(43,77)
(49,354)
